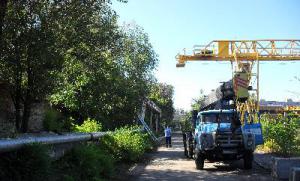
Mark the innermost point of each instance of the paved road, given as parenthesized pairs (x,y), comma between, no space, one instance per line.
(170,164)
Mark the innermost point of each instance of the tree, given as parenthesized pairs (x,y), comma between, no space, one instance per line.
(186,120)
(198,102)
(27,56)
(162,95)
(74,55)
(106,72)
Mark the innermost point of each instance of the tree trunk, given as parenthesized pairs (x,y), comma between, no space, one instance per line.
(28,100)
(29,91)
(18,92)
(26,113)
(18,104)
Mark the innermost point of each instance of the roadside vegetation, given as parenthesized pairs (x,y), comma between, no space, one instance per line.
(84,162)
(281,134)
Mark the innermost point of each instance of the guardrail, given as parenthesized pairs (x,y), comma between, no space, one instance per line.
(13,144)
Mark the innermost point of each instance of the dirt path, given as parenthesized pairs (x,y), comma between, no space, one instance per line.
(171,164)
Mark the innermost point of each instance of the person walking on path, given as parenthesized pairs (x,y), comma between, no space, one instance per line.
(168,135)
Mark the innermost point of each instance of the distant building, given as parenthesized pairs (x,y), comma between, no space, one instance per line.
(278,107)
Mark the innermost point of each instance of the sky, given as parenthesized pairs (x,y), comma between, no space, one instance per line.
(176,24)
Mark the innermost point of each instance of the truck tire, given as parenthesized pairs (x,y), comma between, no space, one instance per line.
(199,161)
(248,158)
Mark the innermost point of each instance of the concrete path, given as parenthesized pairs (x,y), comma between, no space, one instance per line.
(171,164)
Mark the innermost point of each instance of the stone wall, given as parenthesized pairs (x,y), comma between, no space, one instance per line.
(7,114)
(36,119)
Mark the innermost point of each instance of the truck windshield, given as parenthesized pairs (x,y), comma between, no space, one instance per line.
(214,118)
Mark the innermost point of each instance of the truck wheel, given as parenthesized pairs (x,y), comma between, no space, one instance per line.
(248,158)
(199,161)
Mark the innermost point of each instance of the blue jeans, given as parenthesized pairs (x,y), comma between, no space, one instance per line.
(168,141)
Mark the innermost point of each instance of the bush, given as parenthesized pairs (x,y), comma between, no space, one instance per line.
(30,163)
(52,121)
(109,145)
(280,133)
(126,144)
(85,162)
(89,125)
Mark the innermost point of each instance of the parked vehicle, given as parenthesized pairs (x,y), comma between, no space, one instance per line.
(219,134)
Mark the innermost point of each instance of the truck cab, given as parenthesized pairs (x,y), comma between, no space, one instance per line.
(219,136)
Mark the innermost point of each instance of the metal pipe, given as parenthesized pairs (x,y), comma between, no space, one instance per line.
(13,144)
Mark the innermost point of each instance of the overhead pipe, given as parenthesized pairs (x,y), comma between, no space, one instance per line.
(13,144)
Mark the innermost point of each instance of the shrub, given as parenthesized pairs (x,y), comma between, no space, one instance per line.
(280,133)
(30,163)
(126,144)
(85,162)
(52,121)
(109,145)
(89,125)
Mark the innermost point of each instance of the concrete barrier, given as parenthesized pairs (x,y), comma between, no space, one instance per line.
(295,174)
(281,167)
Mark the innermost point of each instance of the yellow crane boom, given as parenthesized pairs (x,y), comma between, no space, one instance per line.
(249,50)
(244,54)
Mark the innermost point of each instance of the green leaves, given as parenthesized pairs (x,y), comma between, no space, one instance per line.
(280,133)
(74,55)
(198,102)
(126,143)
(162,95)
(88,126)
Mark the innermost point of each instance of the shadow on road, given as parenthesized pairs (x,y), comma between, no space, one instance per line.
(171,164)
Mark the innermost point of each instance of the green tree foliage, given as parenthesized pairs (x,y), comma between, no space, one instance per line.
(162,95)
(74,55)
(186,122)
(53,121)
(198,102)
(106,71)
(28,57)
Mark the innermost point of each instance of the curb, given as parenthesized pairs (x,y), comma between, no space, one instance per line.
(261,165)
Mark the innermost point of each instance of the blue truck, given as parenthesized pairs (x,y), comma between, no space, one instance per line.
(219,134)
